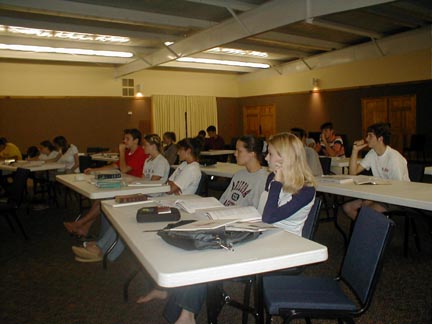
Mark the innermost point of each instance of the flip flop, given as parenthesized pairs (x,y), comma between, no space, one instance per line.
(98,259)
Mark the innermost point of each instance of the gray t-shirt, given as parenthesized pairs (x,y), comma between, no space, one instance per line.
(312,159)
(245,188)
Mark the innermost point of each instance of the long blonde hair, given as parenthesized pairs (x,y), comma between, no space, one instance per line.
(295,170)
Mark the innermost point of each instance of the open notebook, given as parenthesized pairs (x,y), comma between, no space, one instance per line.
(365,180)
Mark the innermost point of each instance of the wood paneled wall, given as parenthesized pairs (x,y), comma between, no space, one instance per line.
(83,121)
(99,121)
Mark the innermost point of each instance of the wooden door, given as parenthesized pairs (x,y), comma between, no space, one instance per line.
(259,120)
(374,110)
(402,118)
(399,111)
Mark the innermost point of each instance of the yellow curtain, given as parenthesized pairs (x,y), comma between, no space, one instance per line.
(201,113)
(183,113)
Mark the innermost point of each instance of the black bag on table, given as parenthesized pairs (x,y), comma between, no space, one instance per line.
(204,239)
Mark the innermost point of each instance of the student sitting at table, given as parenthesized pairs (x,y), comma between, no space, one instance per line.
(68,154)
(290,191)
(385,162)
(245,189)
(214,141)
(170,149)
(330,144)
(32,153)
(48,151)
(156,168)
(9,150)
(286,204)
(131,161)
(246,185)
(312,156)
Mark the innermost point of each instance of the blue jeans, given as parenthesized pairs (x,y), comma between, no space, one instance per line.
(190,298)
(106,238)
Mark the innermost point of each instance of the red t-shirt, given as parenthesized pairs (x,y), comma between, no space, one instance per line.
(135,161)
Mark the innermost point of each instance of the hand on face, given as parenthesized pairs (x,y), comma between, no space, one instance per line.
(359,145)
(122,147)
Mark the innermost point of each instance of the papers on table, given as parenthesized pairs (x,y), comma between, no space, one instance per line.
(335,178)
(358,180)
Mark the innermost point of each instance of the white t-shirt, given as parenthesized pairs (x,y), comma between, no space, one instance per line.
(68,158)
(44,157)
(187,177)
(391,165)
(158,166)
(245,188)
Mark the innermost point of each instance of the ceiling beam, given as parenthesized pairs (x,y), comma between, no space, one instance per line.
(301,41)
(81,28)
(102,13)
(270,15)
(344,28)
(232,4)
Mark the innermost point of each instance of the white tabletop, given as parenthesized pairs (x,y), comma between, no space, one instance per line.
(107,157)
(401,193)
(89,190)
(33,166)
(428,170)
(222,169)
(217,152)
(173,267)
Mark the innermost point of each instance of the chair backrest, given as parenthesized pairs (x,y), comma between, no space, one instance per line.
(325,164)
(18,187)
(417,142)
(85,161)
(309,227)
(202,189)
(363,260)
(97,149)
(346,144)
(416,171)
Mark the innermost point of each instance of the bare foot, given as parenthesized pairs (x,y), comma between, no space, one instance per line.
(154,294)
(76,228)
(186,317)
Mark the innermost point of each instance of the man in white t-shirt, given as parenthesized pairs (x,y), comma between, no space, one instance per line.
(385,163)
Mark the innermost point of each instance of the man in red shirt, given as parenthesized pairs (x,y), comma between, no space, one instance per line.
(131,161)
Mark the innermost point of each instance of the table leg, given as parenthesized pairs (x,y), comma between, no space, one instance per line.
(105,257)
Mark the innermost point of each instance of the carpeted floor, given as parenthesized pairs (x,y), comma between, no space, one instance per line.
(41,283)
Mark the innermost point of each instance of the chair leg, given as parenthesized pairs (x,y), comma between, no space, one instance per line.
(10,223)
(415,233)
(246,300)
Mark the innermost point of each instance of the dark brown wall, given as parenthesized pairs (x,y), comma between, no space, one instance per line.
(342,107)
(229,118)
(83,121)
(100,121)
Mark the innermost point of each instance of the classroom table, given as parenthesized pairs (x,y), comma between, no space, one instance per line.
(402,193)
(222,169)
(428,170)
(217,152)
(170,266)
(82,183)
(106,157)
(33,166)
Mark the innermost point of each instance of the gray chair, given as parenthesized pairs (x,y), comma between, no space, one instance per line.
(312,297)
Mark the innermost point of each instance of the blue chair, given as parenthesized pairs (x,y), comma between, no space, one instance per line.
(311,297)
(308,231)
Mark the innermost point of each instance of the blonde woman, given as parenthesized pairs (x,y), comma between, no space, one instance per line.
(290,191)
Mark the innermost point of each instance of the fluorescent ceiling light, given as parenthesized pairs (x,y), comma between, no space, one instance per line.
(47,33)
(58,50)
(223,62)
(234,51)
